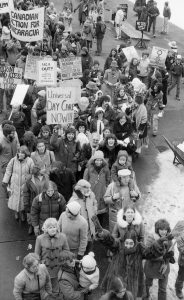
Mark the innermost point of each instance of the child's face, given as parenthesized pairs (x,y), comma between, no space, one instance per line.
(129,243)
(52,230)
(96,67)
(70,136)
(98,162)
(106,132)
(111,142)
(162,232)
(122,160)
(122,93)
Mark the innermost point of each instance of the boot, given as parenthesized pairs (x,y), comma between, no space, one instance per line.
(16,215)
(146,295)
(179,294)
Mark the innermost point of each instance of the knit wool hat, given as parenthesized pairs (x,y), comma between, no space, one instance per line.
(124,172)
(7,129)
(74,207)
(88,261)
(99,109)
(122,153)
(83,183)
(98,155)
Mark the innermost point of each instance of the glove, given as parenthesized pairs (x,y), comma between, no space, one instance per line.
(169,255)
(36,230)
(79,257)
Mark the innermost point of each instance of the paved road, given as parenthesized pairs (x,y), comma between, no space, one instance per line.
(14,240)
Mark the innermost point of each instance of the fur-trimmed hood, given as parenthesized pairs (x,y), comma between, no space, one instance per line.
(123,224)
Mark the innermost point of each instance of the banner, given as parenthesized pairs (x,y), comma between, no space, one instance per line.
(130,52)
(60,103)
(5,6)
(76,84)
(47,73)
(27,26)
(19,94)
(158,57)
(141,26)
(10,77)
(71,67)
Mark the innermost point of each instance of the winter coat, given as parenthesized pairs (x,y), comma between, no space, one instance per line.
(117,167)
(44,161)
(44,207)
(127,263)
(99,182)
(115,205)
(167,12)
(153,265)
(110,155)
(98,31)
(122,226)
(65,180)
(177,70)
(17,173)
(153,12)
(65,151)
(88,32)
(88,209)
(69,284)
(30,191)
(122,131)
(76,231)
(7,151)
(49,249)
(20,122)
(109,60)
(112,296)
(26,283)
(87,62)
(155,102)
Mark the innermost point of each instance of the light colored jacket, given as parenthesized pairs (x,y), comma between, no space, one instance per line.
(26,283)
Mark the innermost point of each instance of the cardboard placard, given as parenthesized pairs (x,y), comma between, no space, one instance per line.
(178,229)
(158,57)
(31,66)
(130,52)
(27,26)
(71,67)
(180,242)
(5,6)
(47,73)
(19,94)
(10,77)
(60,103)
(141,26)
(76,84)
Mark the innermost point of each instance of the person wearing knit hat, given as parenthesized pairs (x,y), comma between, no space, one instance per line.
(89,273)
(75,227)
(98,175)
(122,162)
(86,198)
(45,134)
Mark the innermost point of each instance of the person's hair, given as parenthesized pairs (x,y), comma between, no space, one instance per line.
(66,255)
(117,283)
(24,149)
(6,122)
(29,259)
(162,224)
(139,99)
(126,208)
(96,62)
(39,141)
(103,99)
(50,222)
(49,183)
(111,136)
(99,18)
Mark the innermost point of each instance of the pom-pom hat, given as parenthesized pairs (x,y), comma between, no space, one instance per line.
(74,207)
(88,261)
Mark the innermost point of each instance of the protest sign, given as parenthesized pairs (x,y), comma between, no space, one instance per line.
(27,26)
(10,77)
(31,66)
(158,57)
(130,52)
(5,6)
(60,103)
(19,94)
(47,73)
(178,230)
(141,26)
(76,84)
(71,67)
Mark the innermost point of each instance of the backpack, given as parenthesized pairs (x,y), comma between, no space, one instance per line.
(103,28)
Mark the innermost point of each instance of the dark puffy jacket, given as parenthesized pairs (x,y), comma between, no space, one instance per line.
(87,62)
(122,131)
(98,30)
(44,207)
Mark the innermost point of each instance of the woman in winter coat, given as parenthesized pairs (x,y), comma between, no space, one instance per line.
(66,149)
(98,175)
(122,127)
(132,69)
(48,204)
(18,171)
(110,149)
(88,33)
(159,268)
(43,157)
(45,135)
(118,195)
(113,56)
(19,121)
(49,247)
(86,198)
(29,140)
(128,218)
